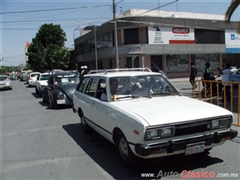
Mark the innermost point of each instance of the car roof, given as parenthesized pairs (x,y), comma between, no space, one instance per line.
(121,73)
(46,73)
(62,73)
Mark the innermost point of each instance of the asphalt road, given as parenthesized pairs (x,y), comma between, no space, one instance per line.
(40,143)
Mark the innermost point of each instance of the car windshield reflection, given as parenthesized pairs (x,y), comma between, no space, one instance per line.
(60,80)
(143,86)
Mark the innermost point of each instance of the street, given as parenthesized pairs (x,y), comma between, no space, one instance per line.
(41,143)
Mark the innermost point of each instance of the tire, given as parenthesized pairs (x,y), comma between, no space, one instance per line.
(85,127)
(124,152)
(36,91)
(52,103)
(40,93)
(43,98)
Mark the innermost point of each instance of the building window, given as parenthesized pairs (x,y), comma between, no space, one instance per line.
(207,36)
(177,63)
(201,59)
(131,36)
(133,62)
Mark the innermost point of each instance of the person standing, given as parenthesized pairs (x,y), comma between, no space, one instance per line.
(193,74)
(226,82)
(207,74)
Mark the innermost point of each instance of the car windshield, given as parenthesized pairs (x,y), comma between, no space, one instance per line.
(66,79)
(142,86)
(44,77)
(33,75)
(2,78)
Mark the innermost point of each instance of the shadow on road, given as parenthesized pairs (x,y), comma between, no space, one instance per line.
(35,95)
(104,154)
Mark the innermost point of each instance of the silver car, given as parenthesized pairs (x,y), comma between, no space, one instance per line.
(5,82)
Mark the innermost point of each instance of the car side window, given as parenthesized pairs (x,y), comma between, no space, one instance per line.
(82,84)
(101,89)
(91,87)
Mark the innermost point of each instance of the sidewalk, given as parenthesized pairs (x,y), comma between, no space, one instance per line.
(178,80)
(183,79)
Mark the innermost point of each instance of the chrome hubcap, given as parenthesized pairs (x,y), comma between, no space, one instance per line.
(123,148)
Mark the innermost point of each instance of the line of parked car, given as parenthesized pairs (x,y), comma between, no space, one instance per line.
(55,87)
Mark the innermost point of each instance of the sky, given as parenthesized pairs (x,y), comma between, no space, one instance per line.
(21,19)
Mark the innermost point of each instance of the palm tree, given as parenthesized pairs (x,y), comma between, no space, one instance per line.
(233,6)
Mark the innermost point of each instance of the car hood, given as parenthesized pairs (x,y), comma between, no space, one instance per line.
(170,109)
(68,89)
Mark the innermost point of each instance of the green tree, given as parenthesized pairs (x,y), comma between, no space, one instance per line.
(47,49)
(233,6)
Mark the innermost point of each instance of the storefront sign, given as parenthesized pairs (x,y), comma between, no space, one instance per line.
(232,41)
(130,50)
(170,35)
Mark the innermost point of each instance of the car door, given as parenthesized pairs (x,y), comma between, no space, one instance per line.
(99,111)
(84,96)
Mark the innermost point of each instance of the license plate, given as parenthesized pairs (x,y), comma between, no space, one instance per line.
(195,148)
(61,101)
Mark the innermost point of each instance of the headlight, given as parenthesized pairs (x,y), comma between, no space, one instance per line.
(160,133)
(7,83)
(60,95)
(220,123)
(167,132)
(152,134)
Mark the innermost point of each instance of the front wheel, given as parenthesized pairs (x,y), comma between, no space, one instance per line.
(36,90)
(44,100)
(85,127)
(125,154)
(52,103)
(40,93)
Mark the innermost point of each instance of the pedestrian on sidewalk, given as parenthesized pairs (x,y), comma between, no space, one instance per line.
(207,74)
(226,82)
(193,74)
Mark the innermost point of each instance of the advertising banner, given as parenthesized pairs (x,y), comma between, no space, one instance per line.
(232,40)
(171,35)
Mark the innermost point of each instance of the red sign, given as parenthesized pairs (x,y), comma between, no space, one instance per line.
(180,30)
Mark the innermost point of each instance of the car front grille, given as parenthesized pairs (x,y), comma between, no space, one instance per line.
(196,127)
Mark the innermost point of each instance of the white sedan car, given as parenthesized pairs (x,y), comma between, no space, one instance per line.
(33,78)
(5,82)
(41,83)
(145,116)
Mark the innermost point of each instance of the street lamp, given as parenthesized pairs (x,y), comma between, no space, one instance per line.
(95,41)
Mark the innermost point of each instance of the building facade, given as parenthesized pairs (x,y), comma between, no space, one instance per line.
(161,40)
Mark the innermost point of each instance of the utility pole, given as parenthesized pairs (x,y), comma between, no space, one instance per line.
(115,34)
(95,42)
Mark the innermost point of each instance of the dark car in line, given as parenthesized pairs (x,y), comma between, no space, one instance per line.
(60,88)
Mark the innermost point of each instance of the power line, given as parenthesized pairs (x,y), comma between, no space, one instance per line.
(58,9)
(42,20)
